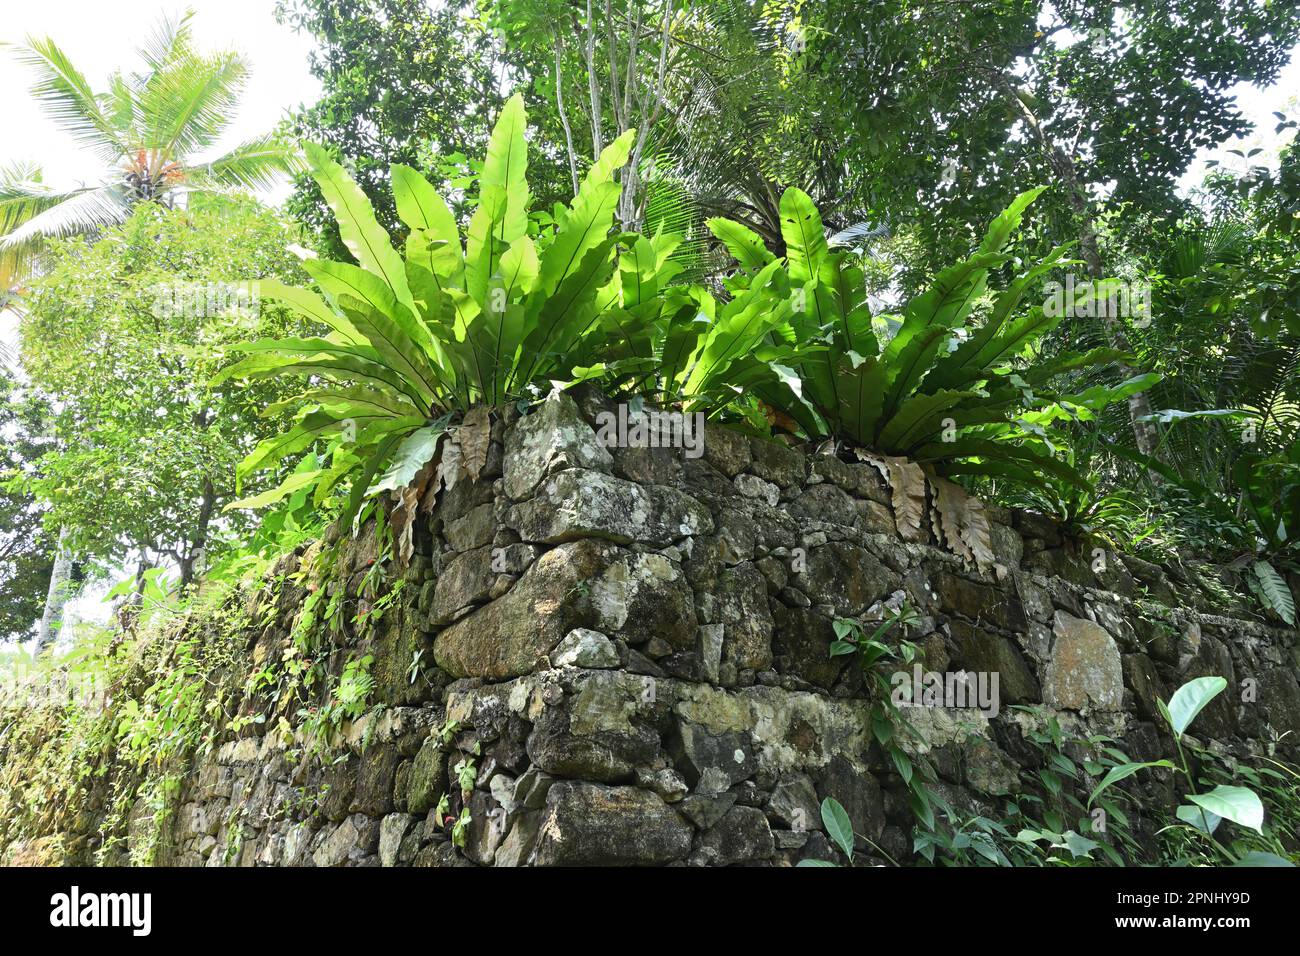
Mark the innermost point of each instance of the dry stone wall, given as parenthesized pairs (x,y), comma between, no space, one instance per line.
(632,646)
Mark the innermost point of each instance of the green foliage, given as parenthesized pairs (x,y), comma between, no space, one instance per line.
(1225,801)
(414,338)
(951,379)
(420,96)
(122,336)
(26,558)
(924,98)
(113,725)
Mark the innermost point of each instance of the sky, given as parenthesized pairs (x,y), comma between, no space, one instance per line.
(100,37)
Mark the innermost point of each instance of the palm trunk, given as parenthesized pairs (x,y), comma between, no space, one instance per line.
(57,596)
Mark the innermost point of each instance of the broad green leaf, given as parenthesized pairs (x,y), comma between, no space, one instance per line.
(919,418)
(1099,396)
(358,228)
(1260,858)
(312,427)
(1122,772)
(420,206)
(502,214)
(1238,804)
(1008,221)
(586,223)
(1275,591)
(1079,846)
(416,450)
(339,279)
(309,305)
(804,235)
(742,242)
(838,826)
(1190,699)
(1202,819)
(358,399)
(947,301)
(283,490)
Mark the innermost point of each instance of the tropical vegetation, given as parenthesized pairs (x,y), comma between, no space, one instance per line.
(969,237)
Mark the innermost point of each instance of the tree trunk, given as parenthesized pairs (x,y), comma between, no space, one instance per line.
(1139,405)
(194,553)
(57,596)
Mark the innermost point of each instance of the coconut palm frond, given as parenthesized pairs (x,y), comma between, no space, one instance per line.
(72,213)
(65,96)
(189,105)
(255,164)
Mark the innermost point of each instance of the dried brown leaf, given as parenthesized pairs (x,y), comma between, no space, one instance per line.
(907,490)
(964,523)
(474,435)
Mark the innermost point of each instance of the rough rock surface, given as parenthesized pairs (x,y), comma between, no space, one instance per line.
(613,658)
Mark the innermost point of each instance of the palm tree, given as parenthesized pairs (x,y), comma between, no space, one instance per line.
(147,128)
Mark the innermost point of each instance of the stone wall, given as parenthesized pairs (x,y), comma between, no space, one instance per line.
(632,646)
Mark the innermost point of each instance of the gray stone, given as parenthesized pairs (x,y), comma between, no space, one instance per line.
(666,782)
(519,842)
(355,837)
(472,530)
(427,781)
(978,650)
(1084,670)
(509,636)
(586,824)
(486,830)
(531,789)
(726,449)
(552,439)
(859,794)
(729,754)
(742,608)
(825,502)
(1140,677)
(988,769)
(644,596)
(794,804)
(602,732)
(580,503)
(466,580)
(847,577)
(801,646)
(392,831)
(753,487)
(790,839)
(705,810)
(776,463)
(373,794)
(583,647)
(741,836)
(709,649)
(875,518)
